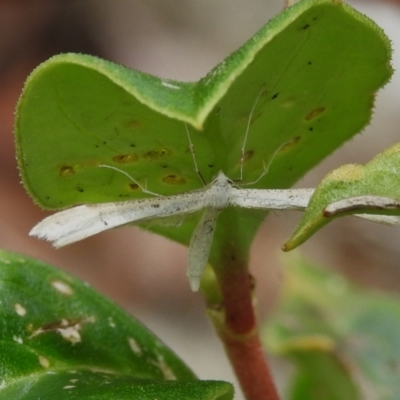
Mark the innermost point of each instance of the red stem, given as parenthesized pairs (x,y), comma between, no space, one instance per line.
(240,336)
(230,302)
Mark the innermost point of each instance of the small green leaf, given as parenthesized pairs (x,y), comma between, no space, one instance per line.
(344,341)
(370,189)
(303,85)
(60,339)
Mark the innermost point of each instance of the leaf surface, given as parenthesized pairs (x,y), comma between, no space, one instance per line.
(60,339)
(373,189)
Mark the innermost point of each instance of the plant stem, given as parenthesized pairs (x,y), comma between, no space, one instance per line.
(236,326)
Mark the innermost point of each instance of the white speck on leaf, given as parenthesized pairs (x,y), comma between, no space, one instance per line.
(165,369)
(17,339)
(19,310)
(69,387)
(133,344)
(111,322)
(44,362)
(71,333)
(62,288)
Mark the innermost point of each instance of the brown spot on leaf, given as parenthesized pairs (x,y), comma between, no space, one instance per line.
(157,154)
(125,158)
(66,170)
(134,124)
(248,155)
(174,179)
(69,329)
(314,113)
(290,144)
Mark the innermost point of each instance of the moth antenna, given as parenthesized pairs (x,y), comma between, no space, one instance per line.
(141,187)
(191,147)
(246,135)
(266,168)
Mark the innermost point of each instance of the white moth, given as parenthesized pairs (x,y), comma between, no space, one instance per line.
(77,223)
(80,222)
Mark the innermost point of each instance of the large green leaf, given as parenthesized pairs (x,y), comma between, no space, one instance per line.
(60,339)
(345,341)
(373,188)
(303,84)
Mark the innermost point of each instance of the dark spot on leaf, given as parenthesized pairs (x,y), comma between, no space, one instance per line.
(210,165)
(155,205)
(174,179)
(310,128)
(157,154)
(164,166)
(80,190)
(290,144)
(66,170)
(248,155)
(125,158)
(104,142)
(275,96)
(314,113)
(133,186)
(132,145)
(309,63)
(305,27)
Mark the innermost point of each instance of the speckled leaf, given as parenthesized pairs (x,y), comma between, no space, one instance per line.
(307,79)
(344,341)
(353,189)
(60,339)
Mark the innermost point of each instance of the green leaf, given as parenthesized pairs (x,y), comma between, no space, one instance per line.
(60,339)
(303,84)
(353,189)
(344,341)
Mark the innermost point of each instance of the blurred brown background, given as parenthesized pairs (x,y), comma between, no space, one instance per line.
(179,39)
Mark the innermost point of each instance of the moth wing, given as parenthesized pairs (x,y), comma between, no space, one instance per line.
(200,245)
(271,199)
(77,223)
